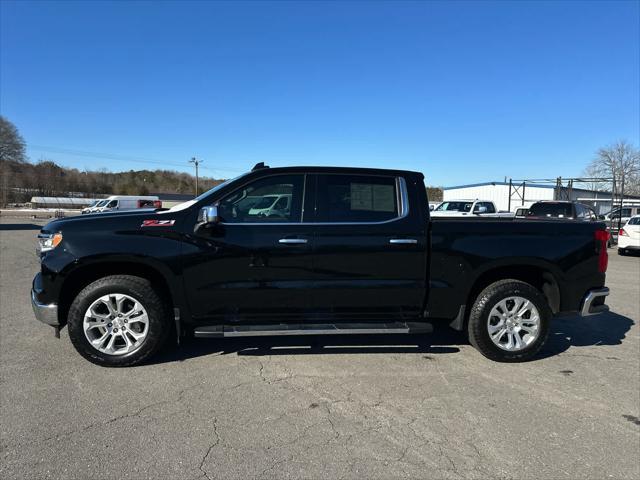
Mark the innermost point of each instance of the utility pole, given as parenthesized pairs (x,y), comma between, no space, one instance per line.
(196,162)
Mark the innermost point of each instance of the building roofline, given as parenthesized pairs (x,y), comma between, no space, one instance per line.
(537,185)
(483,184)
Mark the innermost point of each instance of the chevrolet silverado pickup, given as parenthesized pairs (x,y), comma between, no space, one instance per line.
(353,250)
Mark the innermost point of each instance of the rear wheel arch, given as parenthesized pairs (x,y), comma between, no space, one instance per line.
(509,321)
(539,277)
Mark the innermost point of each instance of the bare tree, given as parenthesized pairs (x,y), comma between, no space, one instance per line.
(620,161)
(12,149)
(11,142)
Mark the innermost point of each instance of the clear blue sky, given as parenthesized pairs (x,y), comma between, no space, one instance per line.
(462,91)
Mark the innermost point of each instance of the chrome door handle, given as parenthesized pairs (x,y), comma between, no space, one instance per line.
(403,241)
(293,241)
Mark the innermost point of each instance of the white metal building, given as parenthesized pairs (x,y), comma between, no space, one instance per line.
(498,193)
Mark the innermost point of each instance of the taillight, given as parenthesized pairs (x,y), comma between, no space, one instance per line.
(622,232)
(602,236)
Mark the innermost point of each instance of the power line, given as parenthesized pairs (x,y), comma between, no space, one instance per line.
(112,156)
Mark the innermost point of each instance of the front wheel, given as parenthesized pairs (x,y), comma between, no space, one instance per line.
(509,321)
(622,251)
(118,321)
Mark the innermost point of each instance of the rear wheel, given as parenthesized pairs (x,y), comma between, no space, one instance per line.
(118,321)
(509,321)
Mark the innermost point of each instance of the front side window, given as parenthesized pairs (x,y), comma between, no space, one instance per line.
(273,199)
(357,198)
(488,207)
(112,204)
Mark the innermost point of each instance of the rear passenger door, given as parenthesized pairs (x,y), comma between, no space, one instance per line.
(370,247)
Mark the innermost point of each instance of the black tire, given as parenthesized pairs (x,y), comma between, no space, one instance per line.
(622,252)
(159,324)
(479,318)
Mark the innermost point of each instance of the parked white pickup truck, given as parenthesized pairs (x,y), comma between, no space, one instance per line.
(457,208)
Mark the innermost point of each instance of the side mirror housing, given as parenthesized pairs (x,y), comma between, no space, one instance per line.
(601,217)
(208,216)
(480,210)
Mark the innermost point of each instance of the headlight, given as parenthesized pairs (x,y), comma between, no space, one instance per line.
(48,241)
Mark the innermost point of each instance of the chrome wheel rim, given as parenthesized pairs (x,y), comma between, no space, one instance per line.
(513,324)
(116,324)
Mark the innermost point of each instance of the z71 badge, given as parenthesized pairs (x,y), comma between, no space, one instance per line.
(157,223)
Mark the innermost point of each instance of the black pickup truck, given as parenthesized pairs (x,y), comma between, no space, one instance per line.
(312,250)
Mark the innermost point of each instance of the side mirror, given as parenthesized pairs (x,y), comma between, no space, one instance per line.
(431,208)
(601,217)
(208,216)
(480,210)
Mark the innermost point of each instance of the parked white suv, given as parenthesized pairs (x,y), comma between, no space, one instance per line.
(629,236)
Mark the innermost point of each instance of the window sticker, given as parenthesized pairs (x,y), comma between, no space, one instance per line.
(383,198)
(361,196)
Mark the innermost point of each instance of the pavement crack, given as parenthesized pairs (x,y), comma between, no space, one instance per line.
(114,419)
(211,447)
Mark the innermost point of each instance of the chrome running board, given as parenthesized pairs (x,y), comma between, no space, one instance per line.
(374,328)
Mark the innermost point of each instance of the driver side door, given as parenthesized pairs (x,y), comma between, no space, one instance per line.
(255,263)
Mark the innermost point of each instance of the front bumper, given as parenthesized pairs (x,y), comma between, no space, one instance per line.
(45,313)
(593,302)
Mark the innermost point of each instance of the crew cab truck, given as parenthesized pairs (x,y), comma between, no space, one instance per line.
(455,208)
(356,252)
(563,210)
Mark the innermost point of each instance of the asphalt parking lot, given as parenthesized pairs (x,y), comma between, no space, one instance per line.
(356,407)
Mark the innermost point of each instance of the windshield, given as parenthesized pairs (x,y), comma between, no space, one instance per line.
(550,209)
(187,204)
(102,203)
(455,207)
(218,187)
(634,221)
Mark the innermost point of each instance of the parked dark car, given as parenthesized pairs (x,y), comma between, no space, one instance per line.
(355,251)
(549,209)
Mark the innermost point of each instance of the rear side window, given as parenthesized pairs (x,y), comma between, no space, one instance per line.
(357,198)
(559,210)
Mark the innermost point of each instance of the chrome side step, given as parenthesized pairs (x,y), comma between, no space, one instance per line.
(313,329)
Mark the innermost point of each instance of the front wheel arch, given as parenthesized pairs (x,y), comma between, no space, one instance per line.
(85,274)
